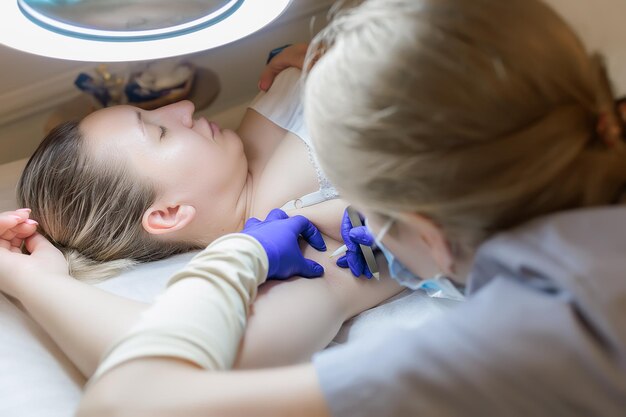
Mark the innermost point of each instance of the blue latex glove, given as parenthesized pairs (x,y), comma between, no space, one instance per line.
(278,235)
(352,237)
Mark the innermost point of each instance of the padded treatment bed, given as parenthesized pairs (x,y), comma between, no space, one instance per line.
(38,380)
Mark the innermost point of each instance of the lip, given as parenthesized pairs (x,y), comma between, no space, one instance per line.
(215,128)
(207,127)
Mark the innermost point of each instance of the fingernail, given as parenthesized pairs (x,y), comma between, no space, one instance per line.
(31,221)
(25,210)
(16,217)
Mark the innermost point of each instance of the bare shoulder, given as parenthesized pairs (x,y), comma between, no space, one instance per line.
(260,137)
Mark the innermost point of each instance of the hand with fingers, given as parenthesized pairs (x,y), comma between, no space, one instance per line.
(279,234)
(15,226)
(291,56)
(353,237)
(18,231)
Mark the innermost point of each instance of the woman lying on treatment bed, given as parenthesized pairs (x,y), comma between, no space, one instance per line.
(126,185)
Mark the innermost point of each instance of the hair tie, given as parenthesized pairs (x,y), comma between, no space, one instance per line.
(611,125)
(612,115)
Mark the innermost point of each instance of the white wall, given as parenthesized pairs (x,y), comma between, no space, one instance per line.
(600,24)
(31,86)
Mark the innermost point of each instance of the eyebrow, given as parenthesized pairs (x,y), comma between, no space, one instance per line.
(142,126)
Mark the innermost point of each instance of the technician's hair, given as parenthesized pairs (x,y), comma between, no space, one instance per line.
(479,114)
(89,209)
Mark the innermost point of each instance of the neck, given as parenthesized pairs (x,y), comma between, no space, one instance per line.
(245,202)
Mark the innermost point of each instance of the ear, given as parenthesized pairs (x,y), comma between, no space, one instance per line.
(433,237)
(161,220)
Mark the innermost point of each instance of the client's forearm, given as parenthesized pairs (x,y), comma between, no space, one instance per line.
(83,320)
(289,320)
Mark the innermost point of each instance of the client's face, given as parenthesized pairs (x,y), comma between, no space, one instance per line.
(191,162)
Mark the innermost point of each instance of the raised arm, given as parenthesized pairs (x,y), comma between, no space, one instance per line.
(85,321)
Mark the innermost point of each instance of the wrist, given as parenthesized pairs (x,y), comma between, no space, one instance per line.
(14,286)
(24,288)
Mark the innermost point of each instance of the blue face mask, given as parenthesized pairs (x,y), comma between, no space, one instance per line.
(437,287)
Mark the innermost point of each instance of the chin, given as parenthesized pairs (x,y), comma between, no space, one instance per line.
(230,134)
(237,140)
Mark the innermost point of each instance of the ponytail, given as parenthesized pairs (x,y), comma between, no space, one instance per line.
(92,272)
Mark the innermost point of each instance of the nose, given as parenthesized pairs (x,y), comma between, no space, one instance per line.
(181,111)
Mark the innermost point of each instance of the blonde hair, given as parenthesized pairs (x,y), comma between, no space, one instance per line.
(479,114)
(89,209)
